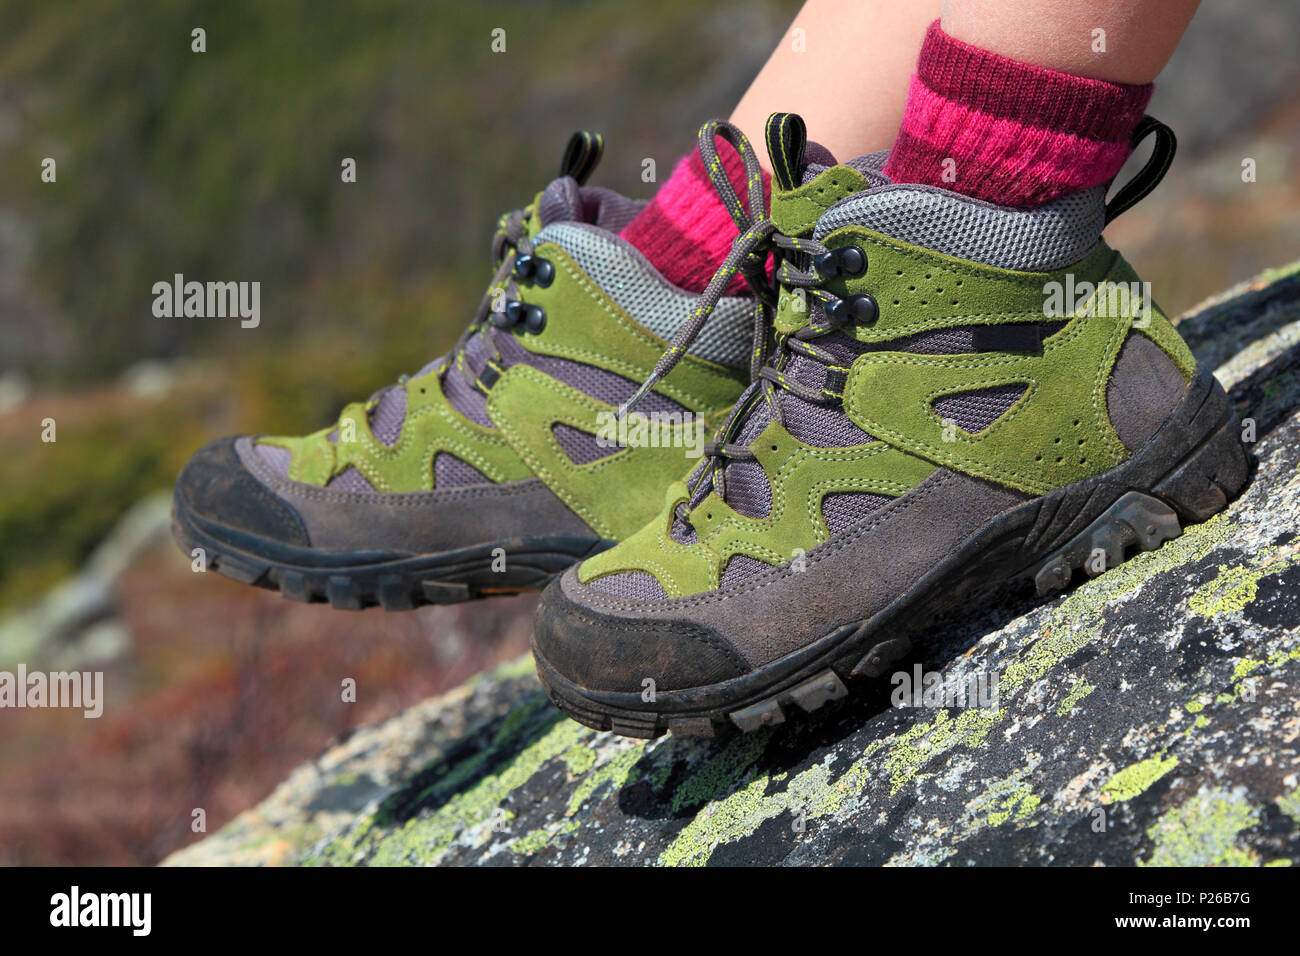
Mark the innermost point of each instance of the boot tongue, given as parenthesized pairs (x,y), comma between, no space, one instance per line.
(561,201)
(822,184)
(816,160)
(796,211)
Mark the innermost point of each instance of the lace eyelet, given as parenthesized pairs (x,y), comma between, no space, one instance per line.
(543,271)
(534,319)
(859,309)
(534,267)
(848,262)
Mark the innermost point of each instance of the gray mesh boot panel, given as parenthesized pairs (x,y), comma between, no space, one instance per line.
(582,447)
(389,416)
(626,277)
(349,479)
(451,472)
(277,458)
(740,567)
(976,410)
(1037,240)
(633,585)
(842,509)
(600,384)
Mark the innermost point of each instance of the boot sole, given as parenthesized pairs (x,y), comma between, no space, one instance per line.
(355,580)
(1135,507)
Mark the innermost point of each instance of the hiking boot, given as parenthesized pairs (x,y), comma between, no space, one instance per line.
(494,467)
(961,395)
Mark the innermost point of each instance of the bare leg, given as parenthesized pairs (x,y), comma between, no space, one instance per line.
(847,74)
(1139,38)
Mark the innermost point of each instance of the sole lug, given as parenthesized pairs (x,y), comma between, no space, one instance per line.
(443,592)
(766,713)
(691,727)
(818,691)
(881,657)
(1135,519)
(644,729)
(241,569)
(293,585)
(341,593)
(394,594)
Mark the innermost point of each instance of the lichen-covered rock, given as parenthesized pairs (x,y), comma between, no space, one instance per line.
(1150,716)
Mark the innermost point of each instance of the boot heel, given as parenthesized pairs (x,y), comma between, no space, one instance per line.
(1208,478)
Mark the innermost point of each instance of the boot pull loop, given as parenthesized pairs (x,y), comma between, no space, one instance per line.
(1149,176)
(786,138)
(581,155)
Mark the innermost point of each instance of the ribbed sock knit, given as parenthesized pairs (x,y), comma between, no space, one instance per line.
(1011,133)
(685,231)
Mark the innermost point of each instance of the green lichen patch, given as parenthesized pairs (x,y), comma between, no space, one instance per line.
(1136,778)
(1203,831)
(466,799)
(1078,692)
(615,772)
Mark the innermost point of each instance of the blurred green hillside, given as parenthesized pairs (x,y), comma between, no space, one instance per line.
(226,164)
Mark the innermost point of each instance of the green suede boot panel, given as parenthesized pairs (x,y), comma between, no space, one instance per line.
(797,210)
(651,549)
(585,325)
(918,289)
(313,455)
(431,426)
(1056,433)
(800,476)
(616,494)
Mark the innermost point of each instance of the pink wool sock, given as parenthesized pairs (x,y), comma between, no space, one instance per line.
(685,231)
(988,126)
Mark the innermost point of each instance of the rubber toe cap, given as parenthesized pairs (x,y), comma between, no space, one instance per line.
(215,488)
(599,651)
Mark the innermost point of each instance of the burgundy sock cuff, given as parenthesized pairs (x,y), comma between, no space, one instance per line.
(1012,133)
(1031,95)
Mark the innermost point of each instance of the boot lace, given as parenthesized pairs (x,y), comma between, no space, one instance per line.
(801,266)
